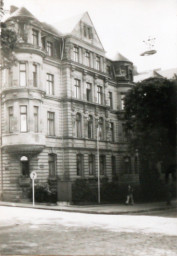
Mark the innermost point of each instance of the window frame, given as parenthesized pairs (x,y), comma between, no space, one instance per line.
(52,165)
(110,99)
(35,37)
(78,125)
(50,84)
(49,48)
(112,131)
(36,118)
(98,63)
(35,73)
(90,127)
(23,119)
(89,92)
(76,53)
(77,88)
(11,115)
(102,164)
(50,123)
(79,164)
(91,164)
(99,94)
(22,75)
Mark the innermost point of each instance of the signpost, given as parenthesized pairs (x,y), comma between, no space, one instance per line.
(33,176)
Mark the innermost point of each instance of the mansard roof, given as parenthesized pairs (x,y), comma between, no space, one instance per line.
(22,12)
(120,57)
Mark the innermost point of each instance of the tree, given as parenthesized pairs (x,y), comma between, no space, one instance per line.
(150,122)
(9,40)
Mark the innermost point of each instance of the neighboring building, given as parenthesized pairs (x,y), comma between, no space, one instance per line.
(167,73)
(52,101)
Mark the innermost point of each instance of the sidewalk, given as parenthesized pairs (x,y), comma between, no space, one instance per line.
(98,209)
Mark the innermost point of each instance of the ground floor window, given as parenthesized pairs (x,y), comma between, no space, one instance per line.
(52,165)
(102,165)
(24,161)
(79,165)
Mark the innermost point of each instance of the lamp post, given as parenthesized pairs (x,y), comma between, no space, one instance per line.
(98,159)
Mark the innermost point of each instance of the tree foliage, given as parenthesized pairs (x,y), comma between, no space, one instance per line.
(150,114)
(9,42)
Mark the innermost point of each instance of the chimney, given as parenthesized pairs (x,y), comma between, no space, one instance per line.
(13,9)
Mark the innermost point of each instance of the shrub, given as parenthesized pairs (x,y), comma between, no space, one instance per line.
(43,193)
(83,192)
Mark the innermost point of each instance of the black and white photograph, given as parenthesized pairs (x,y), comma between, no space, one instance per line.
(88,127)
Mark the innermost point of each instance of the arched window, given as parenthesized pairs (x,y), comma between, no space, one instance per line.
(90,127)
(79,164)
(78,126)
(24,161)
(52,165)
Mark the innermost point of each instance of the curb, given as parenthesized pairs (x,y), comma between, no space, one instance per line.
(91,211)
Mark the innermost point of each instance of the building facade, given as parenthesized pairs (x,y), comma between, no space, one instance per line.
(61,101)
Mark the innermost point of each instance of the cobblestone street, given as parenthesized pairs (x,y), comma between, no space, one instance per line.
(45,232)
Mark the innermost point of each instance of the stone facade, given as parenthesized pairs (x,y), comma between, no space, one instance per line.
(62,88)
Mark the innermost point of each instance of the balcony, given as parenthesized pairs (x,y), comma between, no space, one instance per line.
(23,143)
(31,49)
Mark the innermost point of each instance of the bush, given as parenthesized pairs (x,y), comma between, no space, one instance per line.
(83,192)
(43,193)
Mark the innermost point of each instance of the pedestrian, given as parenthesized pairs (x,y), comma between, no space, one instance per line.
(130,199)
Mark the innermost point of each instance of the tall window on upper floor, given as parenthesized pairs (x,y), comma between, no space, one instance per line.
(122,103)
(89,92)
(76,54)
(51,123)
(35,75)
(23,118)
(90,127)
(112,131)
(22,74)
(11,114)
(87,58)
(99,94)
(78,125)
(77,88)
(35,36)
(49,48)
(108,70)
(91,164)
(10,75)
(101,128)
(102,164)
(36,119)
(50,84)
(110,100)
(79,164)
(98,63)
(52,159)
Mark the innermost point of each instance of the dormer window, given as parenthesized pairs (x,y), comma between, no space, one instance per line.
(49,48)
(87,32)
(35,36)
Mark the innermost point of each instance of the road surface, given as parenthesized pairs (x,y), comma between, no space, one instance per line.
(26,231)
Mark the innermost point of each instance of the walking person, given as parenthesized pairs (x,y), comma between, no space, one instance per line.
(130,199)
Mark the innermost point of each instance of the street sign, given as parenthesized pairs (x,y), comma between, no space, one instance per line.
(33,175)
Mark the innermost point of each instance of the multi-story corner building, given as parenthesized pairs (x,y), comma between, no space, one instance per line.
(52,101)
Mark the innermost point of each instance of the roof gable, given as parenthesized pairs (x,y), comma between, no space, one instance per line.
(75,26)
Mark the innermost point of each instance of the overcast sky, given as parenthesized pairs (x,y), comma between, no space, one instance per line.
(122,25)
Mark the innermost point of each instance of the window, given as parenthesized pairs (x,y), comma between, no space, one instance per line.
(127,164)
(77,88)
(112,131)
(101,128)
(22,74)
(136,164)
(91,164)
(34,75)
(50,84)
(23,118)
(110,100)
(87,32)
(89,91)
(113,165)
(76,54)
(79,165)
(36,123)
(51,123)
(49,48)
(102,165)
(10,76)
(78,126)
(99,95)
(10,110)
(52,165)
(122,102)
(24,161)
(108,70)
(97,62)
(35,36)
(90,127)
(87,58)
